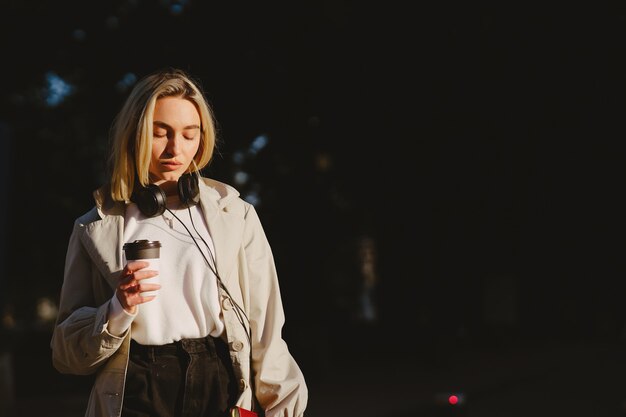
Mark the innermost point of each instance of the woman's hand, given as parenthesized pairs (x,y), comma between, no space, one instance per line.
(130,287)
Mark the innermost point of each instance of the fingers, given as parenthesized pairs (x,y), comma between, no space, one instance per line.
(130,288)
(131,279)
(139,287)
(133,266)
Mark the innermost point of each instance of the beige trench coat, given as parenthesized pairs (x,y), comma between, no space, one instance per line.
(82,345)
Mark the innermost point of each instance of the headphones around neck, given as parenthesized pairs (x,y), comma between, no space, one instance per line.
(151,199)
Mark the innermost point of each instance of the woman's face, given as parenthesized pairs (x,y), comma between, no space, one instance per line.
(176,138)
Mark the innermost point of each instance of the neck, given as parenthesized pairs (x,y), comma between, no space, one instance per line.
(170,188)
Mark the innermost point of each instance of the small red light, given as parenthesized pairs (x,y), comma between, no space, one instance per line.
(453,399)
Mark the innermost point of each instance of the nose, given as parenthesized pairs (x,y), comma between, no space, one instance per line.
(174,143)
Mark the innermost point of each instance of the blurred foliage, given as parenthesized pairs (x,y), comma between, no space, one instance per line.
(469,145)
(276,69)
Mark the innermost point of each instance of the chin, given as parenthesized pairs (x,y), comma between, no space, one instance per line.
(168,177)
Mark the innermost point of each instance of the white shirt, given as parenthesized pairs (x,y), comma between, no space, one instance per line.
(187,304)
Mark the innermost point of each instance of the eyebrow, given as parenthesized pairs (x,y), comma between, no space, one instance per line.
(165,125)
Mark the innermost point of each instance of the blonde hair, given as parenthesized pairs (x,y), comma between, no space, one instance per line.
(131,132)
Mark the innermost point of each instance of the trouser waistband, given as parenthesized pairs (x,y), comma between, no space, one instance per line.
(198,345)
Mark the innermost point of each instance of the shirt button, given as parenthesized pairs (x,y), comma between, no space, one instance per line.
(237,345)
(226,304)
(243,384)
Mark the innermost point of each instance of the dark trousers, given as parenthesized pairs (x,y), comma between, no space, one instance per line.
(188,378)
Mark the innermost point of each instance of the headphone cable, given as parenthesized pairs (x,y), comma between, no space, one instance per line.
(238,310)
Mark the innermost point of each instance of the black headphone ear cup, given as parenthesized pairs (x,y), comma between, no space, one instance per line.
(188,189)
(151,200)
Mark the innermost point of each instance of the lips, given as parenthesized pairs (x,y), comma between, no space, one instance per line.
(171,165)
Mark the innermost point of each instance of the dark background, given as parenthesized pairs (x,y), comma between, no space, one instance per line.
(482,151)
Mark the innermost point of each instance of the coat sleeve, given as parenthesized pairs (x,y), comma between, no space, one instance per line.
(280,387)
(80,341)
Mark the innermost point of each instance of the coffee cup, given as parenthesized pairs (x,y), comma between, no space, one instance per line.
(147,251)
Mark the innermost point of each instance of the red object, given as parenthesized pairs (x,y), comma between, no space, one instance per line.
(242,412)
(453,399)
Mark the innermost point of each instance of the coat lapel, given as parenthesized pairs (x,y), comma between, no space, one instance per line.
(103,240)
(225,227)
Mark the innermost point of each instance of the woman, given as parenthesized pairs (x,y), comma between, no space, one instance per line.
(210,338)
